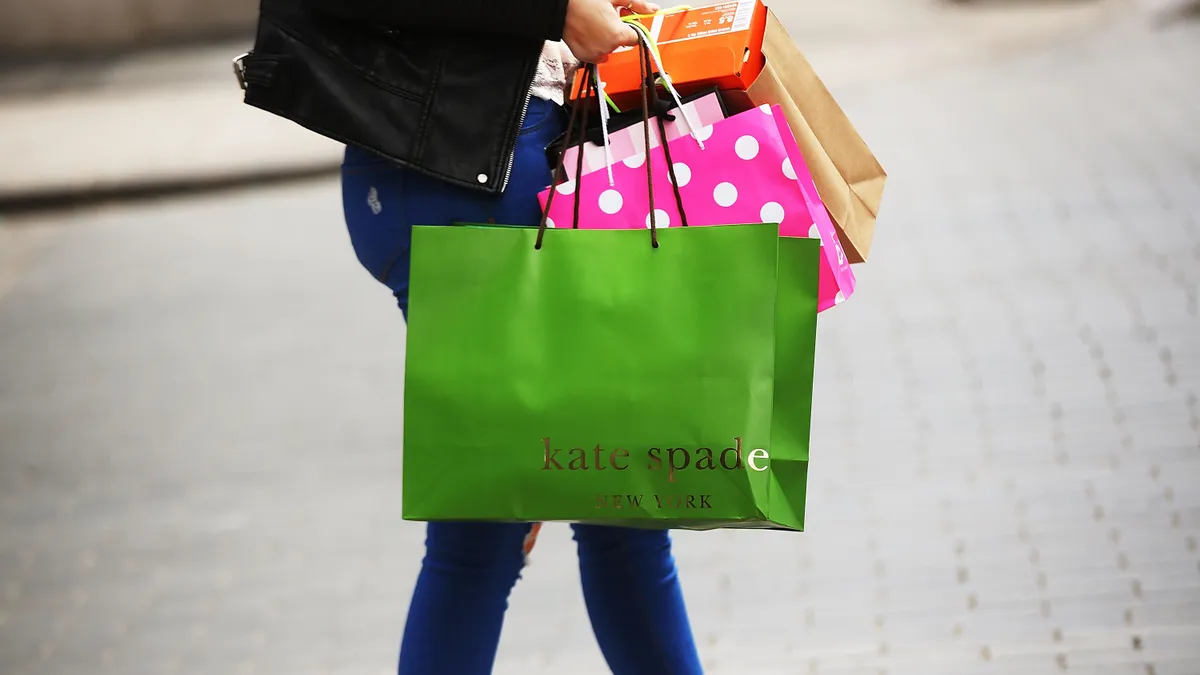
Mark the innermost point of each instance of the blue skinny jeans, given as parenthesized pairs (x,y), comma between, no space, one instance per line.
(630,583)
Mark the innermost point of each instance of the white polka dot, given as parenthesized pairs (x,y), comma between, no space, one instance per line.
(766,108)
(550,222)
(773,212)
(567,188)
(611,202)
(636,162)
(747,147)
(839,298)
(788,169)
(813,232)
(726,195)
(704,133)
(683,173)
(661,219)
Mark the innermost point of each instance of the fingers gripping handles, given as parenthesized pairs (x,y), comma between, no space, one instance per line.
(577,132)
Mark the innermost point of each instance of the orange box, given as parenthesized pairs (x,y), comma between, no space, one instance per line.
(714,44)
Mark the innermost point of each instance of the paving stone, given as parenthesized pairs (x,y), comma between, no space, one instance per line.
(201,418)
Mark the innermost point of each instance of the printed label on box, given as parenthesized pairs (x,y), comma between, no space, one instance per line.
(706,21)
(717,18)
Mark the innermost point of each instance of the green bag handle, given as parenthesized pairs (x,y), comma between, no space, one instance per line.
(590,78)
(665,79)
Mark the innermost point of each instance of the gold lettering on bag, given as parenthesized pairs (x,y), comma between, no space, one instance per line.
(673,502)
(737,456)
(550,457)
(579,461)
(618,502)
(674,460)
(618,453)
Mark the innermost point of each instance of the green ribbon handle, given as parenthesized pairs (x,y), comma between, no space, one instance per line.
(665,79)
(635,20)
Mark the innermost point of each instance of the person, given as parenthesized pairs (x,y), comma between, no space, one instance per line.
(447,109)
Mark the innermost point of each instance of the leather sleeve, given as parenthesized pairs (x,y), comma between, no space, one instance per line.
(541,19)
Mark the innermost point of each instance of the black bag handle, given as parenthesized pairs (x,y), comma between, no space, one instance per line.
(650,102)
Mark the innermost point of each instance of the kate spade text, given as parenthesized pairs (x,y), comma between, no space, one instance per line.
(671,460)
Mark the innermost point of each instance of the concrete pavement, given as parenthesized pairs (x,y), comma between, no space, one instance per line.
(200,418)
(91,26)
(171,119)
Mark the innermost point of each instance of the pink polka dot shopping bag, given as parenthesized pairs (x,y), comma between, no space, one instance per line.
(630,141)
(742,170)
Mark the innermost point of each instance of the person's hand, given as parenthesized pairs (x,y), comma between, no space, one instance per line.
(637,6)
(594,28)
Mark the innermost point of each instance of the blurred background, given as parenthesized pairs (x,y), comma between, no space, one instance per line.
(201,391)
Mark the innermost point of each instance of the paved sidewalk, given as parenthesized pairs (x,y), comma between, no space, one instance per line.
(171,119)
(200,418)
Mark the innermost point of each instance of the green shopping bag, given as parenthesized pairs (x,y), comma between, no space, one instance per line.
(590,376)
(602,380)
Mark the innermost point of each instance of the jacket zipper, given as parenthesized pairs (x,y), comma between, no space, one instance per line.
(512,156)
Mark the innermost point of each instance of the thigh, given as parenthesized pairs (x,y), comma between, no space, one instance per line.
(382,201)
(476,547)
(647,550)
(612,557)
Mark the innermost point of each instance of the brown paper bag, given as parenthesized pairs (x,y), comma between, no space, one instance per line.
(848,177)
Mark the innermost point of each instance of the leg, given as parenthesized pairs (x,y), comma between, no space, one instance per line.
(458,607)
(635,601)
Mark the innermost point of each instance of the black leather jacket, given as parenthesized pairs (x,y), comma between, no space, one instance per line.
(441,86)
